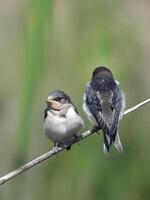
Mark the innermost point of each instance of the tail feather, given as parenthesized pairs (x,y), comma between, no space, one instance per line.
(108,142)
(106,152)
(117,143)
(112,138)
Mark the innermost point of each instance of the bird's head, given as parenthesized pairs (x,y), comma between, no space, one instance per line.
(57,100)
(102,71)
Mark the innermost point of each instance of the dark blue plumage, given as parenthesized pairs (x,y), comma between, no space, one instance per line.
(104,105)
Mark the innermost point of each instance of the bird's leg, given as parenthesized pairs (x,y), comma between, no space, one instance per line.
(95,129)
(77,138)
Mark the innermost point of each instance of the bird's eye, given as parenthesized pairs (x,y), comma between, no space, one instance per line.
(58,99)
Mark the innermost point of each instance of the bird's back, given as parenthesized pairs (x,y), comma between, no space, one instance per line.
(104,88)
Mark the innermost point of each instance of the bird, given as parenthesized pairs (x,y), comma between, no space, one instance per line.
(104,105)
(62,121)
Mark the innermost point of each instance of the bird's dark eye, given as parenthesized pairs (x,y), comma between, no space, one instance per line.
(58,99)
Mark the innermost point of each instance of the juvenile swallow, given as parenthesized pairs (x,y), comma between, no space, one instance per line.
(104,104)
(62,121)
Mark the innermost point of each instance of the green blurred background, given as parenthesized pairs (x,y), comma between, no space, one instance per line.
(47,45)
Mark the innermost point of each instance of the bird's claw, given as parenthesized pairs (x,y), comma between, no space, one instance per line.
(63,145)
(77,138)
(95,129)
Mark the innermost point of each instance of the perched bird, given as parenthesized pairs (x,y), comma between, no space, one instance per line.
(104,104)
(62,121)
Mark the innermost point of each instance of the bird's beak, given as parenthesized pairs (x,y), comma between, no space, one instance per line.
(54,105)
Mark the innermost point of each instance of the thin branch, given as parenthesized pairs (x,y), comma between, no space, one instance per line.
(136,107)
(56,150)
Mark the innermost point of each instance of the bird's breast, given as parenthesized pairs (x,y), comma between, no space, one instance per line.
(60,129)
(54,127)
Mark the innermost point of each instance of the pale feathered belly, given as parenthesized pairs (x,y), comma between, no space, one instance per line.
(61,130)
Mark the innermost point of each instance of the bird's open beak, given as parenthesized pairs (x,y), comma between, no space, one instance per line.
(54,105)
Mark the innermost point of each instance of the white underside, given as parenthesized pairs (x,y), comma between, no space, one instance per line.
(61,129)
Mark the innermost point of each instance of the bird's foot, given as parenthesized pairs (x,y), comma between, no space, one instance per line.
(63,145)
(95,129)
(77,138)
